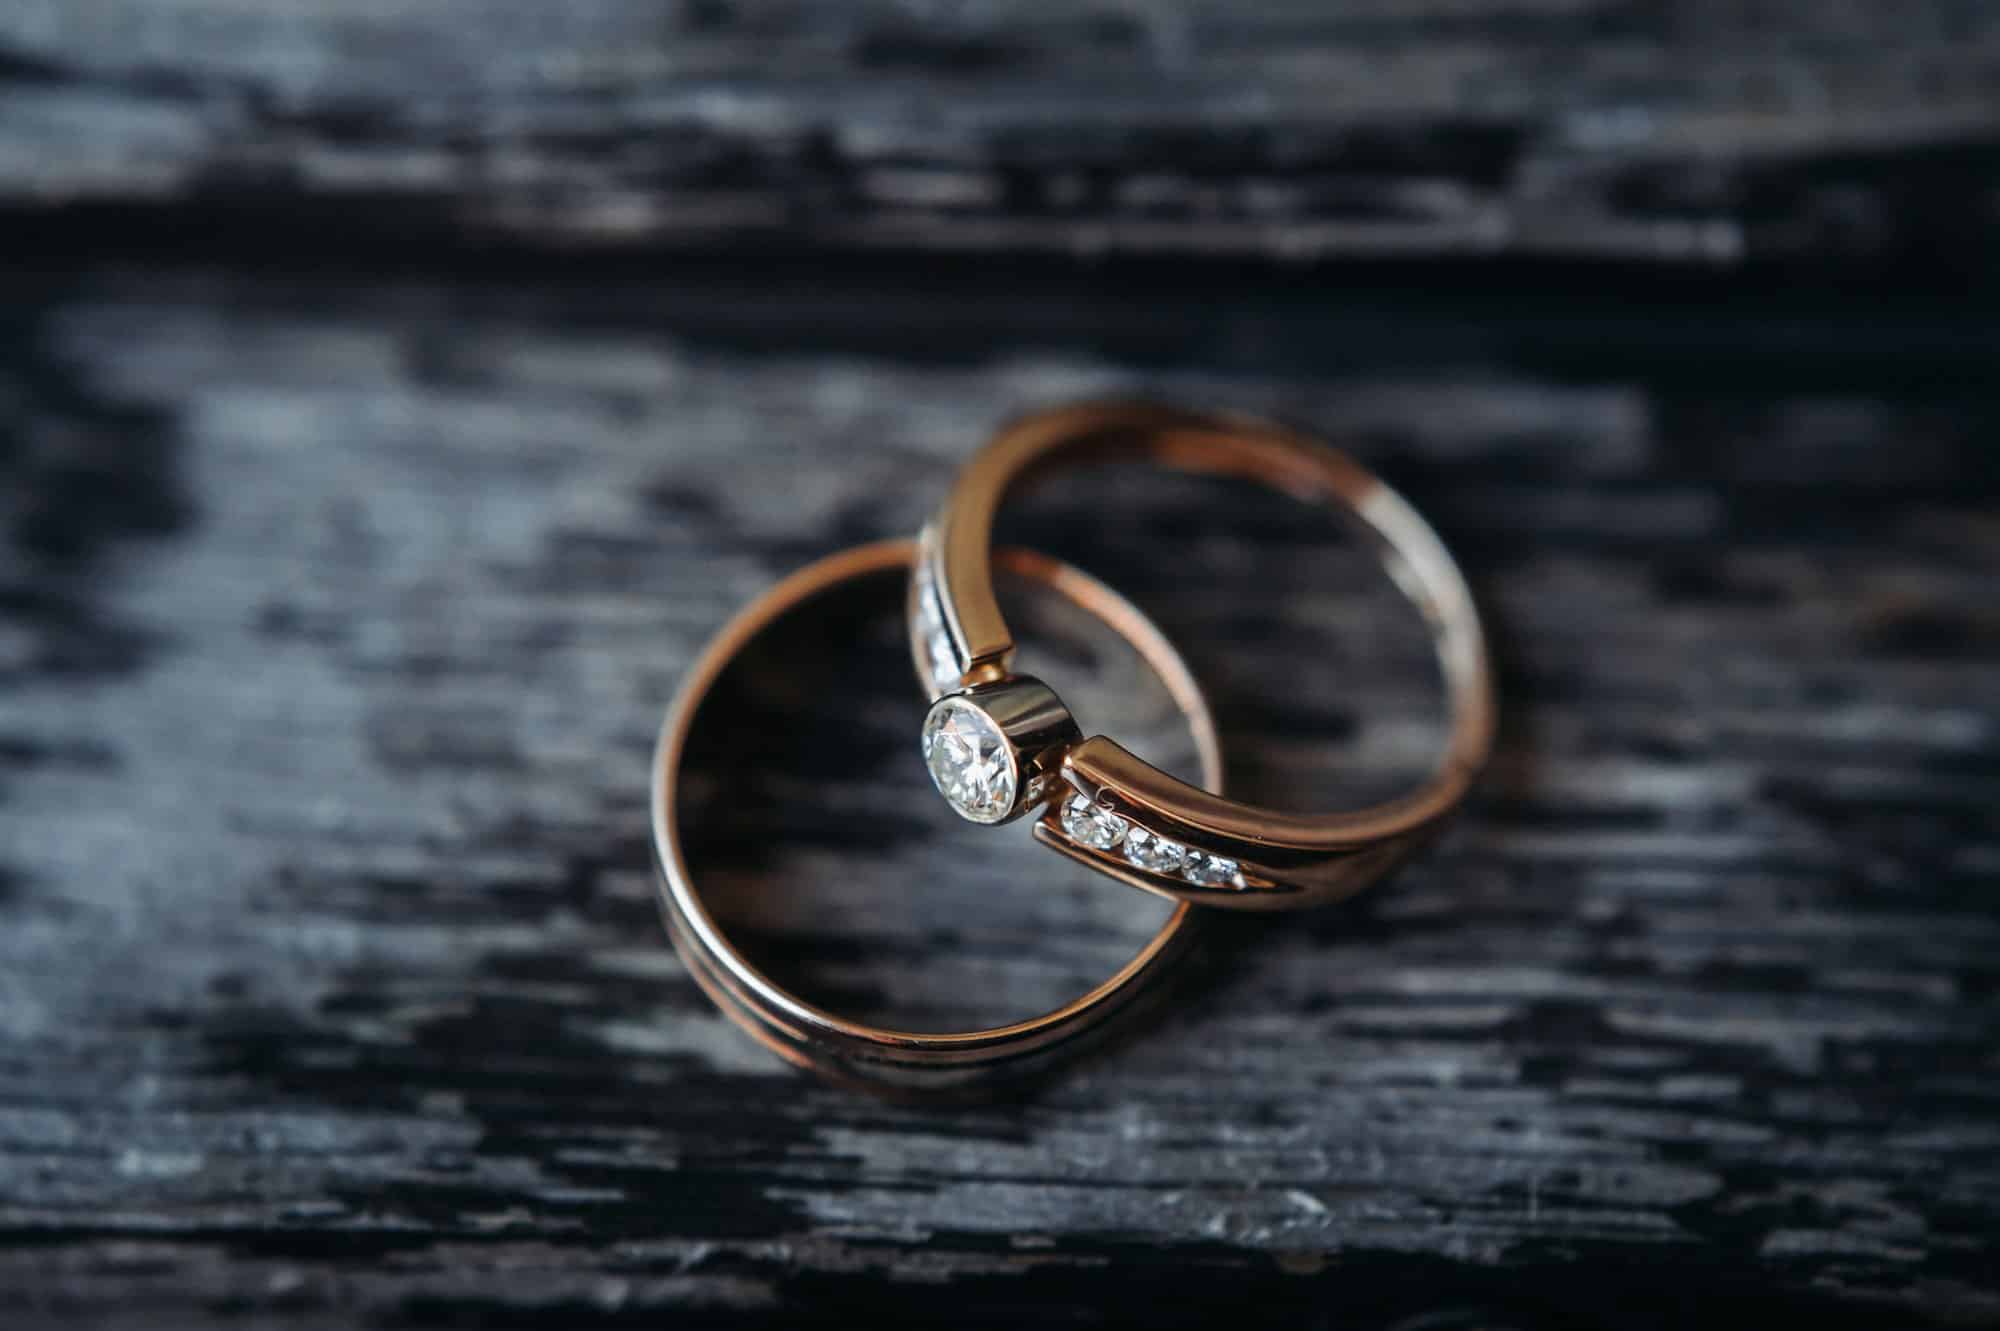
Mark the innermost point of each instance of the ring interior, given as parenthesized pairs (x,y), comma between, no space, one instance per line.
(803,1032)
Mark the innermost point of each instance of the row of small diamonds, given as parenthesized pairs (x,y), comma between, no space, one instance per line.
(942,656)
(1100,829)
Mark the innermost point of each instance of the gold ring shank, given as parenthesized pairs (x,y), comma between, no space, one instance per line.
(1287,860)
(874,1057)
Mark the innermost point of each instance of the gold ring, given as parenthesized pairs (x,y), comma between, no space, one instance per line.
(1000,745)
(877,1057)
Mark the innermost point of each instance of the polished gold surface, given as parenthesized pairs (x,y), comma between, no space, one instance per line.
(1285,860)
(878,1057)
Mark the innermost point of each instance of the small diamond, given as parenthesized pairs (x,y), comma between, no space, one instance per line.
(943,660)
(942,657)
(970,761)
(1149,850)
(1208,870)
(1094,827)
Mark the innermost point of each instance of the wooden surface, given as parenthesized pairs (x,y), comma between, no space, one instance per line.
(339,619)
(1689,135)
(393,398)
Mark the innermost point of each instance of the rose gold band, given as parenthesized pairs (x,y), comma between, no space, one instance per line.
(1189,844)
(876,1057)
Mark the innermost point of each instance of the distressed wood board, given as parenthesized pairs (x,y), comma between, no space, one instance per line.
(337,616)
(1834,136)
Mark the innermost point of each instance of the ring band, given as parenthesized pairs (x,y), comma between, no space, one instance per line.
(1109,809)
(876,1057)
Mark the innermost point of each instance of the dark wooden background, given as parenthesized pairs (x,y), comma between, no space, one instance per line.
(394,397)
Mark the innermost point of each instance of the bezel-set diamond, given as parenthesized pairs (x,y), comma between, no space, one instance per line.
(995,750)
(970,761)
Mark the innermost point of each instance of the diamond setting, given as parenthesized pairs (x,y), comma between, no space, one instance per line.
(970,761)
(940,657)
(1100,829)
(1211,870)
(1150,850)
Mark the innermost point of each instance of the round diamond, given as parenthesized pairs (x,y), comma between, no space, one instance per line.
(970,761)
(1149,850)
(1097,828)
(1208,870)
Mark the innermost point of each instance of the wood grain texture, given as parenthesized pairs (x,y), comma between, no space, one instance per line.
(1832,134)
(336,618)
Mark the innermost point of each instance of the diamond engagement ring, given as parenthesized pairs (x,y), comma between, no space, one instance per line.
(1001,745)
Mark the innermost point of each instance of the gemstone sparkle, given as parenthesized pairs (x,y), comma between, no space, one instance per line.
(941,658)
(970,761)
(1150,850)
(1100,829)
(1209,870)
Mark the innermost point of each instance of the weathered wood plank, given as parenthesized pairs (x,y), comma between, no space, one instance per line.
(1837,133)
(335,621)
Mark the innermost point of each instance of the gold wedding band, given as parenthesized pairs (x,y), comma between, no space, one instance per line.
(877,1057)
